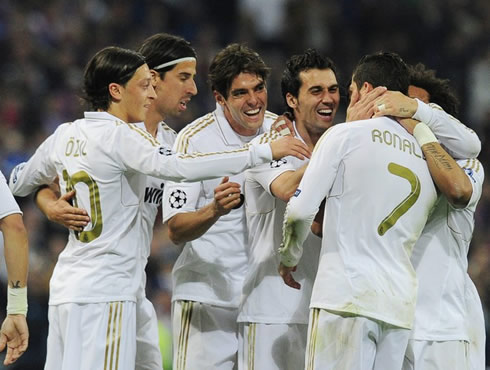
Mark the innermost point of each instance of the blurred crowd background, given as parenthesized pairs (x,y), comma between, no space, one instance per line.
(46,44)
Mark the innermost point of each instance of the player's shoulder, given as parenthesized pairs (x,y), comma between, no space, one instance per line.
(473,168)
(199,129)
(269,119)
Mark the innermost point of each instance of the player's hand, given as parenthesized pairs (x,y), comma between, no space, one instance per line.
(283,125)
(63,213)
(226,196)
(286,275)
(396,104)
(15,335)
(364,108)
(289,146)
(408,124)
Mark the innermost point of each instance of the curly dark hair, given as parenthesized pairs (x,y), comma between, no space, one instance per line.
(439,90)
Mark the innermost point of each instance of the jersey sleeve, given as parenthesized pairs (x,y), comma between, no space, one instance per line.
(474,170)
(151,158)
(313,188)
(179,198)
(8,205)
(38,170)
(266,174)
(459,140)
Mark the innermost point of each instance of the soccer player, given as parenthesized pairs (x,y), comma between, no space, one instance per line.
(449,328)
(379,195)
(273,318)
(95,284)
(14,332)
(209,218)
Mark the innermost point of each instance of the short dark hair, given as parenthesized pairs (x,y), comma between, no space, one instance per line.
(230,62)
(439,90)
(163,48)
(383,69)
(109,65)
(310,59)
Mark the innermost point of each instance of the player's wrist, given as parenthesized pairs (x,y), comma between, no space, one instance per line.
(17,301)
(423,134)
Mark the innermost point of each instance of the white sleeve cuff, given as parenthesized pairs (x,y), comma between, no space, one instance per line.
(423,113)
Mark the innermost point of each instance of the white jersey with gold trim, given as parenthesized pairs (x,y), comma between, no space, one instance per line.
(210,269)
(8,205)
(152,198)
(379,195)
(265,297)
(104,159)
(441,263)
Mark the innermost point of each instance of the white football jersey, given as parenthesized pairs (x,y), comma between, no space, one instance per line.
(8,205)
(441,263)
(211,268)
(265,297)
(379,195)
(152,199)
(104,159)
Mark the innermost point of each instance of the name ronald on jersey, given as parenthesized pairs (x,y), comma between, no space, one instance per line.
(391,139)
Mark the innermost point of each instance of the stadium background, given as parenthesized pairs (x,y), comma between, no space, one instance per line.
(45,45)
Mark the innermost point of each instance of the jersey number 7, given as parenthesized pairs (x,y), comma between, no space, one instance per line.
(408,202)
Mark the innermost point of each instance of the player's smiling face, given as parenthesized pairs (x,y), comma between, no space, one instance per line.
(176,89)
(246,103)
(318,99)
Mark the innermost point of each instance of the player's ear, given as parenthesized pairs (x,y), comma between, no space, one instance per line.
(115,90)
(154,76)
(220,99)
(291,100)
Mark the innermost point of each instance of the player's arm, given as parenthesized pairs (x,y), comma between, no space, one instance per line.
(449,177)
(303,206)
(187,226)
(459,140)
(58,208)
(284,186)
(162,162)
(14,332)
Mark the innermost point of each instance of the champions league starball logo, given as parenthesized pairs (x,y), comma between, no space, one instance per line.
(177,199)
(278,163)
(165,151)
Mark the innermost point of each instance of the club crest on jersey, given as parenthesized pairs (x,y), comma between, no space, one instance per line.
(278,163)
(178,198)
(165,151)
(297,192)
(16,171)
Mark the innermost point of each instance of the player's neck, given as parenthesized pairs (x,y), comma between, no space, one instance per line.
(309,139)
(151,122)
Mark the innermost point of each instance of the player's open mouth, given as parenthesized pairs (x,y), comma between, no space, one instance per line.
(183,104)
(252,112)
(325,112)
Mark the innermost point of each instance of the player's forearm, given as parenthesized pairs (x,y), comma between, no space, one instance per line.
(185,227)
(286,184)
(447,175)
(16,250)
(45,198)
(460,141)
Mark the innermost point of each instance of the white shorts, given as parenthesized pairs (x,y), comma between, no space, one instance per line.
(271,346)
(204,336)
(347,342)
(432,355)
(95,336)
(148,356)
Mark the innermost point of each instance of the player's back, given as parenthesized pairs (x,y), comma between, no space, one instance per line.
(100,261)
(376,208)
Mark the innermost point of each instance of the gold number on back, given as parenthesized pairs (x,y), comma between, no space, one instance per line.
(95,208)
(408,202)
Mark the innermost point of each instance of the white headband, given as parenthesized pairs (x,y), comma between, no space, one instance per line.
(176,61)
